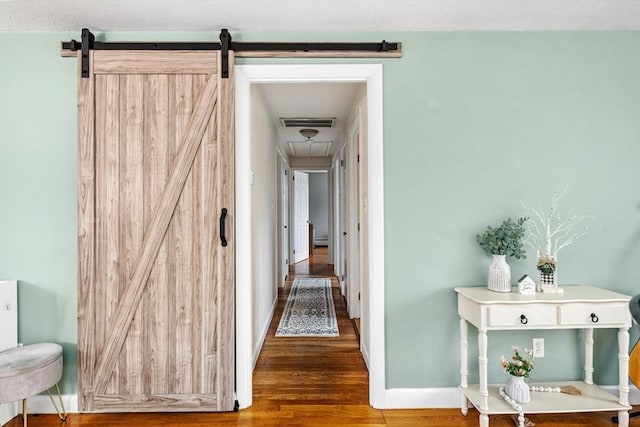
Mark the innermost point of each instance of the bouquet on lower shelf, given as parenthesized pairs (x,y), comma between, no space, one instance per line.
(521,363)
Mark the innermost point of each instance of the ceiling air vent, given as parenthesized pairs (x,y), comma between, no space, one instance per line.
(307,122)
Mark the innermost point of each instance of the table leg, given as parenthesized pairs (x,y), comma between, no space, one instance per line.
(623,418)
(464,372)
(464,354)
(588,355)
(464,404)
(482,365)
(623,367)
(484,420)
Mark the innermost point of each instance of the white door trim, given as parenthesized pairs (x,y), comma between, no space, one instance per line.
(284,250)
(337,214)
(371,74)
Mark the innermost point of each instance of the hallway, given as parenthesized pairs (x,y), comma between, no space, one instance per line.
(311,370)
(316,265)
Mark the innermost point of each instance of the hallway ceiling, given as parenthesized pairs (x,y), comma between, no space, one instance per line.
(312,100)
(317,15)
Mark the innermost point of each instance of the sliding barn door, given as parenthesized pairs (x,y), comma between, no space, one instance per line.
(156,281)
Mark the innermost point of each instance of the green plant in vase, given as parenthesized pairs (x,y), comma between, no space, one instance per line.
(506,239)
(502,241)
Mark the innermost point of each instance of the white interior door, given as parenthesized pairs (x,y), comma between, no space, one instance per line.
(336,232)
(284,198)
(353,221)
(343,222)
(301,215)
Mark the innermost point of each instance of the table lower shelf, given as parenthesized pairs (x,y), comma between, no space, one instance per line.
(593,399)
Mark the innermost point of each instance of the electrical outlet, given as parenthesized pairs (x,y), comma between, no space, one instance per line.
(538,347)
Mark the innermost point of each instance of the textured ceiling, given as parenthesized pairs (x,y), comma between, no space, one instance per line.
(316,100)
(317,15)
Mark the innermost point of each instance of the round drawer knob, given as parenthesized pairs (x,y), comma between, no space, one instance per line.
(523,319)
(594,318)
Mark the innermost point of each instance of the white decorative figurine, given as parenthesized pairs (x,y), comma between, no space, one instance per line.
(526,285)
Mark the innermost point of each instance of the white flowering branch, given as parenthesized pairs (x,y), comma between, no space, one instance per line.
(547,232)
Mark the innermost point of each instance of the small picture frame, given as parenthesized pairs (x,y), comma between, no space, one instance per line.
(526,285)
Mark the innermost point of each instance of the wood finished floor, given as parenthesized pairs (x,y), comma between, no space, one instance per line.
(314,382)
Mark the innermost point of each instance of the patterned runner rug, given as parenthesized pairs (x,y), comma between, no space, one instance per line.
(309,311)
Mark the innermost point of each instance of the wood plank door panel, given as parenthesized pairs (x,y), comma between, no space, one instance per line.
(155,302)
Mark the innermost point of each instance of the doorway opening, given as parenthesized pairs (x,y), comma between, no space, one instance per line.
(311,213)
(372,221)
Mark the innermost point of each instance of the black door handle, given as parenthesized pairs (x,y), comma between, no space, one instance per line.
(344,233)
(223,238)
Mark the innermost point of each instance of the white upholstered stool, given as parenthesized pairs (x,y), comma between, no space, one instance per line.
(29,370)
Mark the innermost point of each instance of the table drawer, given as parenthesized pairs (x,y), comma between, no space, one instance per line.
(512,316)
(593,315)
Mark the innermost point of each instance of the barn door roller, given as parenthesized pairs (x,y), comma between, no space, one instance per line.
(241,49)
(225,45)
(87,43)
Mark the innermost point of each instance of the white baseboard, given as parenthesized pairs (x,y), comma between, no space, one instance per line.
(263,333)
(415,398)
(41,404)
(365,354)
(634,393)
(8,411)
(396,398)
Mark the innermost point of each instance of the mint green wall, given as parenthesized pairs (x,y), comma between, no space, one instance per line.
(475,122)
(38,189)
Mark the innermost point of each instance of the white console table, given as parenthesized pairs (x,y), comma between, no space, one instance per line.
(579,307)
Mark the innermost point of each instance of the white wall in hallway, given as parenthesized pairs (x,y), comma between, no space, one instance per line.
(263,218)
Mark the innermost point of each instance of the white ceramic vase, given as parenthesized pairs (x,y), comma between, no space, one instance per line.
(517,389)
(499,274)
